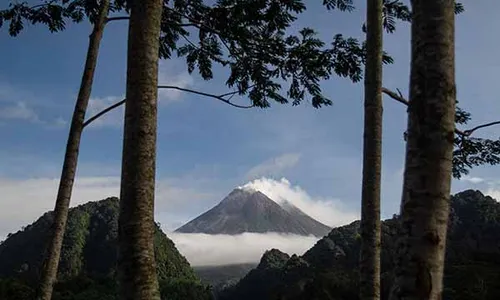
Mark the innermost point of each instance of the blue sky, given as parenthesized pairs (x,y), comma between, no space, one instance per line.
(206,148)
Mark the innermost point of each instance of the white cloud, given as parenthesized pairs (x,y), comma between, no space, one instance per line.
(327,211)
(204,249)
(472,179)
(19,111)
(168,78)
(17,103)
(24,200)
(274,166)
(493,189)
(493,193)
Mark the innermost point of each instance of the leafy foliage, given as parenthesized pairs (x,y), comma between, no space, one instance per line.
(395,10)
(182,289)
(85,288)
(471,151)
(342,5)
(247,37)
(54,14)
(329,270)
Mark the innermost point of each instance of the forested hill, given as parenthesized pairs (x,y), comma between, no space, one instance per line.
(87,268)
(329,269)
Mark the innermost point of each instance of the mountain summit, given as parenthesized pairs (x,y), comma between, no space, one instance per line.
(245,210)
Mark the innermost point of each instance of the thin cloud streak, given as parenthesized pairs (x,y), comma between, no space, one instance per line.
(274,166)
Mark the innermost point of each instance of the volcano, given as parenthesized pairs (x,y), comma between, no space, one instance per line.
(246,210)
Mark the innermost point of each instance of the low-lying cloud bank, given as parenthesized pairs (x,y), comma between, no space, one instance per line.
(221,249)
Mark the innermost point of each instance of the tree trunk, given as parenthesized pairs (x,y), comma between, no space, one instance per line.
(431,124)
(50,265)
(369,264)
(136,261)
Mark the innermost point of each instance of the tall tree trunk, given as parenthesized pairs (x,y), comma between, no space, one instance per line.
(431,124)
(136,261)
(369,264)
(50,265)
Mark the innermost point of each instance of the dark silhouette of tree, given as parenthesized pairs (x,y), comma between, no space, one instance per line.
(369,262)
(248,38)
(137,276)
(54,15)
(419,260)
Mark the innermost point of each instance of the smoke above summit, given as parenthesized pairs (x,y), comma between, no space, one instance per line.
(328,211)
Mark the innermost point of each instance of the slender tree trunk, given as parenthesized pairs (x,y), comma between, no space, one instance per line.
(431,124)
(50,265)
(136,261)
(369,264)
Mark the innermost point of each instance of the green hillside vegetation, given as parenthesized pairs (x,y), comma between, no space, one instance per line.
(87,270)
(329,270)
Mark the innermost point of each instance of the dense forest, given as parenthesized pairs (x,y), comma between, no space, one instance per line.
(329,270)
(89,257)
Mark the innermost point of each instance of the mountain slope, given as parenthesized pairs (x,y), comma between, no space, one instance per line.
(89,254)
(251,211)
(329,270)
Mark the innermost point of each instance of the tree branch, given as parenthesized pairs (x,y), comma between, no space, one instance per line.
(43,4)
(218,97)
(470,131)
(399,97)
(395,96)
(104,111)
(117,18)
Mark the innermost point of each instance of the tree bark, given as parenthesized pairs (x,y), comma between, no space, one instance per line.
(431,125)
(50,265)
(372,155)
(136,261)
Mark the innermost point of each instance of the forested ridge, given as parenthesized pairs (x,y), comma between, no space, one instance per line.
(89,256)
(329,270)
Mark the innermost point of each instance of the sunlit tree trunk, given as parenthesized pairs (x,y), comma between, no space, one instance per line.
(431,124)
(136,261)
(372,153)
(50,264)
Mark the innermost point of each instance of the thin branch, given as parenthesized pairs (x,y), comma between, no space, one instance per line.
(464,133)
(218,97)
(186,24)
(470,131)
(234,92)
(43,4)
(103,112)
(117,18)
(395,96)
